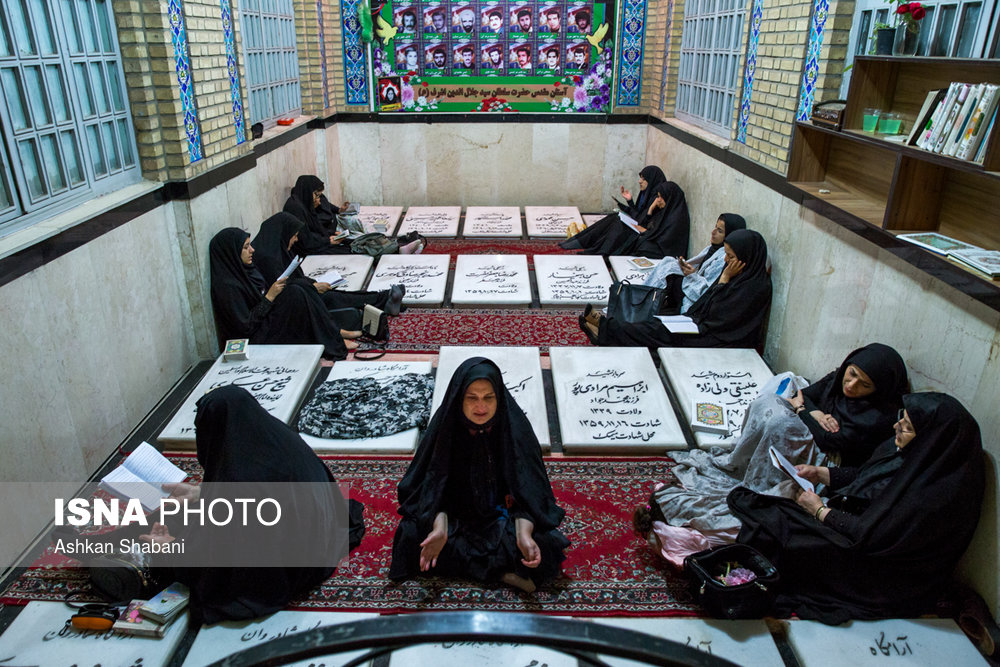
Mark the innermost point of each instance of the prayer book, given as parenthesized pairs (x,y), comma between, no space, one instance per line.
(678,324)
(642,263)
(985,261)
(332,277)
(709,417)
(341,234)
(165,605)
(236,349)
(294,264)
(141,475)
(630,221)
(938,243)
(781,462)
(131,622)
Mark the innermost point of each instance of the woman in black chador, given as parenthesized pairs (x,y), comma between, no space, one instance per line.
(307,204)
(890,551)
(246,307)
(476,500)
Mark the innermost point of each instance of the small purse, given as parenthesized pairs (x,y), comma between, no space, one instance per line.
(633,303)
(753,599)
(375,324)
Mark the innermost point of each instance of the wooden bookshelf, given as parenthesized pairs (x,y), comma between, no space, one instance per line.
(894,188)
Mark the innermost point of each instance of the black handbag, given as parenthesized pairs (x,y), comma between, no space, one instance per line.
(753,599)
(633,303)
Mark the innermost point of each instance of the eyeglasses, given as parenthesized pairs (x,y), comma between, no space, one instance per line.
(900,416)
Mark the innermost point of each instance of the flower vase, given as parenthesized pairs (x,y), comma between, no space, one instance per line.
(905,41)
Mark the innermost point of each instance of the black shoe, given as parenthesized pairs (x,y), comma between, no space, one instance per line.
(396,294)
(591,336)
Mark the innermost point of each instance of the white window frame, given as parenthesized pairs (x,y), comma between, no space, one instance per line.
(945,45)
(271,56)
(63,127)
(708,82)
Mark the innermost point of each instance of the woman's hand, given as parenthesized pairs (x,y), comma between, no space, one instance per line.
(815,474)
(526,543)
(346,204)
(734,267)
(275,289)
(158,535)
(431,547)
(182,491)
(827,422)
(658,203)
(626,193)
(797,401)
(322,288)
(809,501)
(334,240)
(686,269)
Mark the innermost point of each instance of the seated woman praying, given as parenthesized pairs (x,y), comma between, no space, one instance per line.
(315,238)
(886,545)
(851,411)
(247,307)
(684,281)
(273,253)
(476,501)
(728,314)
(663,226)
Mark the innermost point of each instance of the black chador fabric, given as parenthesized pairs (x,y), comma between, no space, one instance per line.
(484,478)
(272,257)
(314,239)
(667,229)
(296,317)
(727,315)
(864,422)
(895,558)
(653,176)
(238,441)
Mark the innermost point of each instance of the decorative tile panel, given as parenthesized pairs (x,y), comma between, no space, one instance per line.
(630,54)
(322,54)
(355,69)
(182,66)
(751,68)
(811,72)
(233,70)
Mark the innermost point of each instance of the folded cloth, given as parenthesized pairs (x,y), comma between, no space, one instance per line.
(354,408)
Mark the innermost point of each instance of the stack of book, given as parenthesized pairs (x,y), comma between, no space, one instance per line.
(974,257)
(150,618)
(957,121)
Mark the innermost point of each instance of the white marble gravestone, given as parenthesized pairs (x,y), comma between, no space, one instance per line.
(550,221)
(39,636)
(492,221)
(730,376)
(623,269)
(373,217)
(278,376)
(397,443)
(354,268)
(480,654)
(425,277)
(591,218)
(217,641)
(491,279)
(611,399)
(432,221)
(747,643)
(904,642)
(571,280)
(522,374)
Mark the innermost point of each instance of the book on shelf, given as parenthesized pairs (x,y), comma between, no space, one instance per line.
(952,119)
(956,121)
(131,622)
(936,242)
(984,261)
(165,605)
(141,475)
(709,417)
(923,121)
(981,151)
(975,131)
(964,115)
(940,117)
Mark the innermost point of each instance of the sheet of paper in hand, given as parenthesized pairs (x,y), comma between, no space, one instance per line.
(781,462)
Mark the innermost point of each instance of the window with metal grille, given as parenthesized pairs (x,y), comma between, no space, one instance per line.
(271,57)
(708,81)
(66,127)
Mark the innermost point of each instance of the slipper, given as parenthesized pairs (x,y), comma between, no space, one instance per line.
(591,336)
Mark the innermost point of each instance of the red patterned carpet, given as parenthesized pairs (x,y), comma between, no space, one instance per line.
(530,247)
(427,329)
(608,571)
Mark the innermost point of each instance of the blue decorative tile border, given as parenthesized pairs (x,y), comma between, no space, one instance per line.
(234,73)
(820,11)
(630,54)
(322,54)
(355,68)
(182,65)
(750,70)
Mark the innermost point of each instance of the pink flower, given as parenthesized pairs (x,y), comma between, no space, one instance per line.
(580,96)
(740,575)
(407,96)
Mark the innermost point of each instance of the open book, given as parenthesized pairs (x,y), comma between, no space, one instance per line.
(681,324)
(630,221)
(140,476)
(781,462)
(294,264)
(331,276)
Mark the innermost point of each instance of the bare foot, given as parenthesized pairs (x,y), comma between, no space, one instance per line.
(351,344)
(348,335)
(517,581)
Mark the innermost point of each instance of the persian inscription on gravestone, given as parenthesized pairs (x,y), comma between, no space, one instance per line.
(380,218)
(492,221)
(432,220)
(491,279)
(550,221)
(354,268)
(425,276)
(571,280)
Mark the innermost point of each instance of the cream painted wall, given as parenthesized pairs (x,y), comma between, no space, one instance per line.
(834,291)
